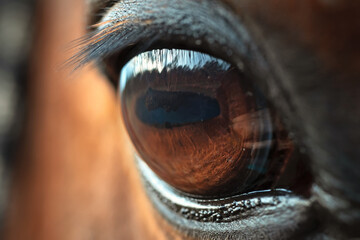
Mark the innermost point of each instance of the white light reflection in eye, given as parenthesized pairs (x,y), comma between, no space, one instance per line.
(167,59)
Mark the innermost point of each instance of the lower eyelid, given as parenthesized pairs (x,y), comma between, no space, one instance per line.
(244,216)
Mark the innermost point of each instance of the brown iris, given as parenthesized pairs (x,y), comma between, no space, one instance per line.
(198,122)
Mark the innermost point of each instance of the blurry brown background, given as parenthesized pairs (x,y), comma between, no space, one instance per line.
(70,174)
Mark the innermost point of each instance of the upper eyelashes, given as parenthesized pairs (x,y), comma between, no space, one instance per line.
(206,26)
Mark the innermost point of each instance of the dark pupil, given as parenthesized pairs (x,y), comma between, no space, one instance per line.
(169,109)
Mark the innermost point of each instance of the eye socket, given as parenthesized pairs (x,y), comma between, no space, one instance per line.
(200,124)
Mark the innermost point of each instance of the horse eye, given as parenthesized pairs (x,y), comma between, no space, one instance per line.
(199,123)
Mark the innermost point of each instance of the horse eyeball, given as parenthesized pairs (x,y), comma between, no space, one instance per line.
(198,122)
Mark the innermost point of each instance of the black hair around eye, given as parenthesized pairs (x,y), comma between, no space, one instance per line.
(200,124)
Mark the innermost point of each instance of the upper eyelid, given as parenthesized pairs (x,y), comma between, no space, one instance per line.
(207,25)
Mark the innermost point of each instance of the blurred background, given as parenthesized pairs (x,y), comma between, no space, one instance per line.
(16,35)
